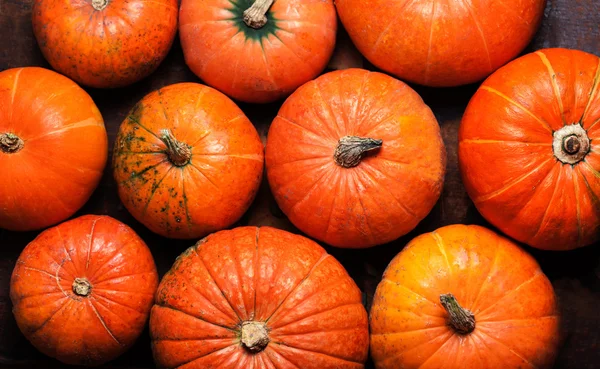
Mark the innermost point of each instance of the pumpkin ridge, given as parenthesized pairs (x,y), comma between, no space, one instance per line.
(185,202)
(552,197)
(155,187)
(204,175)
(408,289)
(218,287)
(275,327)
(577,209)
(333,199)
(485,322)
(436,351)
(430,42)
(366,173)
(134,118)
(122,276)
(509,349)
(113,313)
(206,355)
(284,347)
(324,256)
(593,92)
(64,242)
(477,23)
(443,326)
(594,197)
(312,188)
(515,103)
(254,270)
(69,302)
(391,23)
(359,195)
(164,306)
(442,247)
(89,253)
(516,289)
(337,132)
(555,88)
(40,271)
(320,137)
(91,305)
(96,295)
(108,260)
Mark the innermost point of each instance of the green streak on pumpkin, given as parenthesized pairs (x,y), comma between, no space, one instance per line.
(238,8)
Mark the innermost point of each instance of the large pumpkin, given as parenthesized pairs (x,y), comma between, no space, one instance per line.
(82,291)
(53,148)
(464,297)
(536,122)
(257,51)
(258,299)
(105,43)
(187,161)
(441,43)
(355,159)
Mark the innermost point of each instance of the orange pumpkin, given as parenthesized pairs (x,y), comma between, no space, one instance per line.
(464,297)
(105,43)
(187,161)
(355,159)
(441,43)
(53,148)
(258,299)
(82,291)
(257,51)
(536,122)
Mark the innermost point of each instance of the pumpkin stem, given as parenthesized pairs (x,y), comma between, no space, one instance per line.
(81,287)
(571,144)
(99,4)
(10,143)
(179,152)
(351,149)
(255,336)
(256,15)
(461,319)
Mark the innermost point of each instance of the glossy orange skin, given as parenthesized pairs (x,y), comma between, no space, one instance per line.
(509,123)
(515,309)
(218,185)
(64,153)
(389,192)
(263,69)
(92,329)
(441,43)
(112,47)
(311,305)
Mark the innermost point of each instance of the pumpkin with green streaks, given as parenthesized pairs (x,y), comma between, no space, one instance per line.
(187,161)
(257,51)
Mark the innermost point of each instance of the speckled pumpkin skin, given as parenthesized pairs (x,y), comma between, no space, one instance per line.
(312,308)
(77,329)
(515,309)
(112,47)
(209,193)
(440,43)
(257,65)
(389,192)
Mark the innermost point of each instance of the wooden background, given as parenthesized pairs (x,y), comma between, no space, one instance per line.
(575,275)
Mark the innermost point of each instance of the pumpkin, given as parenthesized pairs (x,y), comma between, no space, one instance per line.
(257,51)
(464,297)
(187,161)
(82,291)
(441,43)
(53,148)
(258,298)
(355,158)
(537,123)
(105,43)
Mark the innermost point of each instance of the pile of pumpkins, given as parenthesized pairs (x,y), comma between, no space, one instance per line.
(354,158)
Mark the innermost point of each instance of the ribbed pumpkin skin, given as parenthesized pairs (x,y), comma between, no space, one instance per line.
(64,150)
(389,192)
(510,124)
(76,329)
(113,47)
(440,43)
(257,65)
(517,321)
(311,305)
(209,193)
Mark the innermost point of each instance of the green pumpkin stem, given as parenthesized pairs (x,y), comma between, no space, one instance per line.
(179,153)
(351,149)
(256,15)
(10,143)
(460,319)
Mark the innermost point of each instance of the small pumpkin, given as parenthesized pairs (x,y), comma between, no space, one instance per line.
(258,298)
(187,161)
(53,148)
(464,297)
(105,43)
(257,50)
(441,43)
(536,121)
(355,158)
(82,291)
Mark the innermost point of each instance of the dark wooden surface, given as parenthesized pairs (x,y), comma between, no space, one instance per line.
(575,275)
